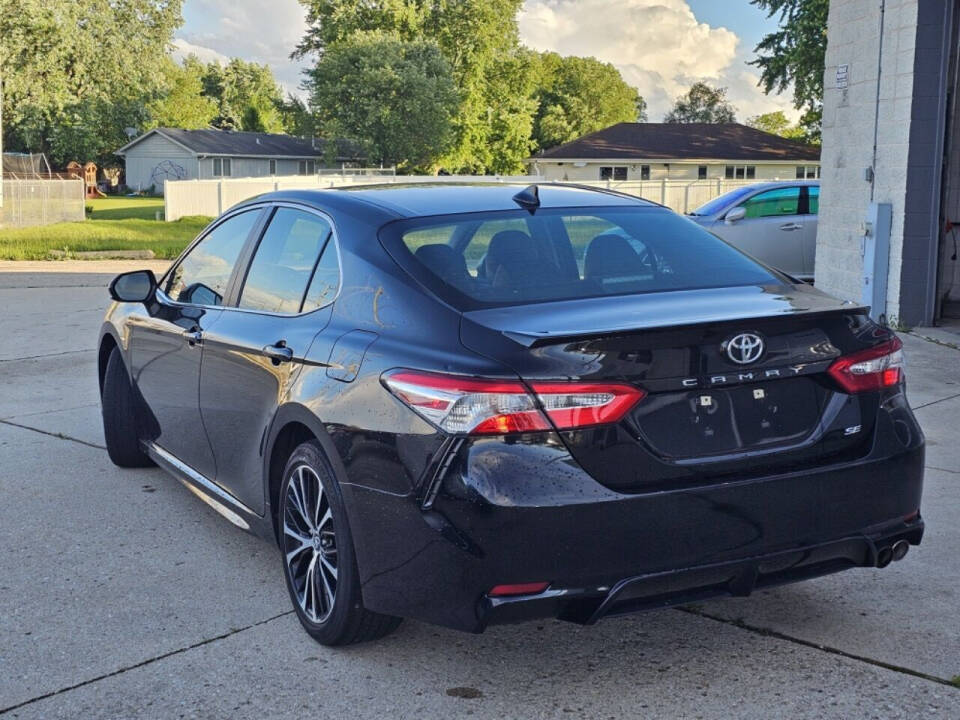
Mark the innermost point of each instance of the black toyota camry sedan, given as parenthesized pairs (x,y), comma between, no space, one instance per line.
(478,404)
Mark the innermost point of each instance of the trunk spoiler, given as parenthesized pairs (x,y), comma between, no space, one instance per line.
(546,323)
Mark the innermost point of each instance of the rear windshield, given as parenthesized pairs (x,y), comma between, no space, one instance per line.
(483,260)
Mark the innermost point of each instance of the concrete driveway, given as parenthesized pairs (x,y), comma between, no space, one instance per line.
(122,595)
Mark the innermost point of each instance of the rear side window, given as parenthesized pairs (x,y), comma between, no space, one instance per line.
(326,279)
(813,199)
(202,276)
(284,262)
(772,203)
(509,258)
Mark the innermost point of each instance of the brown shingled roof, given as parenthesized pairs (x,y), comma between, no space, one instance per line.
(682,141)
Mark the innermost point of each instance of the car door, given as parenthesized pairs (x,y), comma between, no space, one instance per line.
(254,352)
(812,207)
(166,342)
(771,229)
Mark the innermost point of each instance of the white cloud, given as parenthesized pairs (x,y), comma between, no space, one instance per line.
(258,31)
(659,46)
(183,49)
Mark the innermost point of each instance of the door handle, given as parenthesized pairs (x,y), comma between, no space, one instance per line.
(193,337)
(791,226)
(279,352)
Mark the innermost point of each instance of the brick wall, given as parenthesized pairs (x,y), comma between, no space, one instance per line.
(854,33)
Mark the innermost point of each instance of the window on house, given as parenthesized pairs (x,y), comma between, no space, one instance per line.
(740,172)
(618,172)
(702,172)
(644,172)
(808,172)
(273,167)
(221,167)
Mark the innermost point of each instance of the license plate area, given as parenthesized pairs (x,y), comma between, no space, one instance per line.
(717,421)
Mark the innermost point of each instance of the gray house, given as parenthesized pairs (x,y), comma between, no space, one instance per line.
(172,154)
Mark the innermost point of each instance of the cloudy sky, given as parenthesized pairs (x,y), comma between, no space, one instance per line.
(660,46)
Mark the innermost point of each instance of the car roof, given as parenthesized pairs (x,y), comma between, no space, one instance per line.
(423,199)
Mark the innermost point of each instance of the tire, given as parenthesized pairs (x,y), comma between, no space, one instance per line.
(118,404)
(316,549)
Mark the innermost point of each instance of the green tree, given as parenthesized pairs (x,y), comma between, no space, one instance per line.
(577,96)
(479,38)
(395,98)
(298,119)
(702,104)
(183,104)
(246,94)
(81,71)
(776,123)
(794,54)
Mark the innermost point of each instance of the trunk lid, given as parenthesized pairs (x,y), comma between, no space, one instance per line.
(708,414)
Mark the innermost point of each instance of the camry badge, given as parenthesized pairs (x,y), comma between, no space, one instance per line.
(745,348)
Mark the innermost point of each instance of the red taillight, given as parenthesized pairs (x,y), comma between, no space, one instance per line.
(475,406)
(534,588)
(872,369)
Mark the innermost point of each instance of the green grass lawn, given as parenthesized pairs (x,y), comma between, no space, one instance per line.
(116,223)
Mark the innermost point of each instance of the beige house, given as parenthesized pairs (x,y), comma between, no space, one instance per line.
(676,151)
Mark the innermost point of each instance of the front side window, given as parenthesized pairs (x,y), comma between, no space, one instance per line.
(782,201)
(512,258)
(813,199)
(202,277)
(284,262)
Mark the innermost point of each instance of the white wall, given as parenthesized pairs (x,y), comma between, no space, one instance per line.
(145,156)
(590,171)
(243,167)
(848,138)
(213,197)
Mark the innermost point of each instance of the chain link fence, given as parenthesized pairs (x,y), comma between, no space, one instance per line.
(41,202)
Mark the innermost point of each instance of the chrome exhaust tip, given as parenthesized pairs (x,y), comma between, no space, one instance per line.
(900,549)
(884,557)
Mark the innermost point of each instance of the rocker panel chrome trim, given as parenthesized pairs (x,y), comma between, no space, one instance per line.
(205,489)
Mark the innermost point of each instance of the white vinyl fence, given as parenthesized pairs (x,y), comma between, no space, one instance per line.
(212,197)
(183,198)
(41,201)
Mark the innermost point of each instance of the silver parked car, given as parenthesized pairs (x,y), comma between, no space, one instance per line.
(775,222)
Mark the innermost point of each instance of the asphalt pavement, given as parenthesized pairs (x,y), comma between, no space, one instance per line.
(123,596)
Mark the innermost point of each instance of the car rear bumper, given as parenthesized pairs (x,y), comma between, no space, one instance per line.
(524,511)
(736,578)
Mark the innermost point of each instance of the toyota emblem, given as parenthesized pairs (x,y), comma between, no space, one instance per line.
(745,348)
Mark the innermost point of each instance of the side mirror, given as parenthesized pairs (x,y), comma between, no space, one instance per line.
(735,215)
(137,286)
